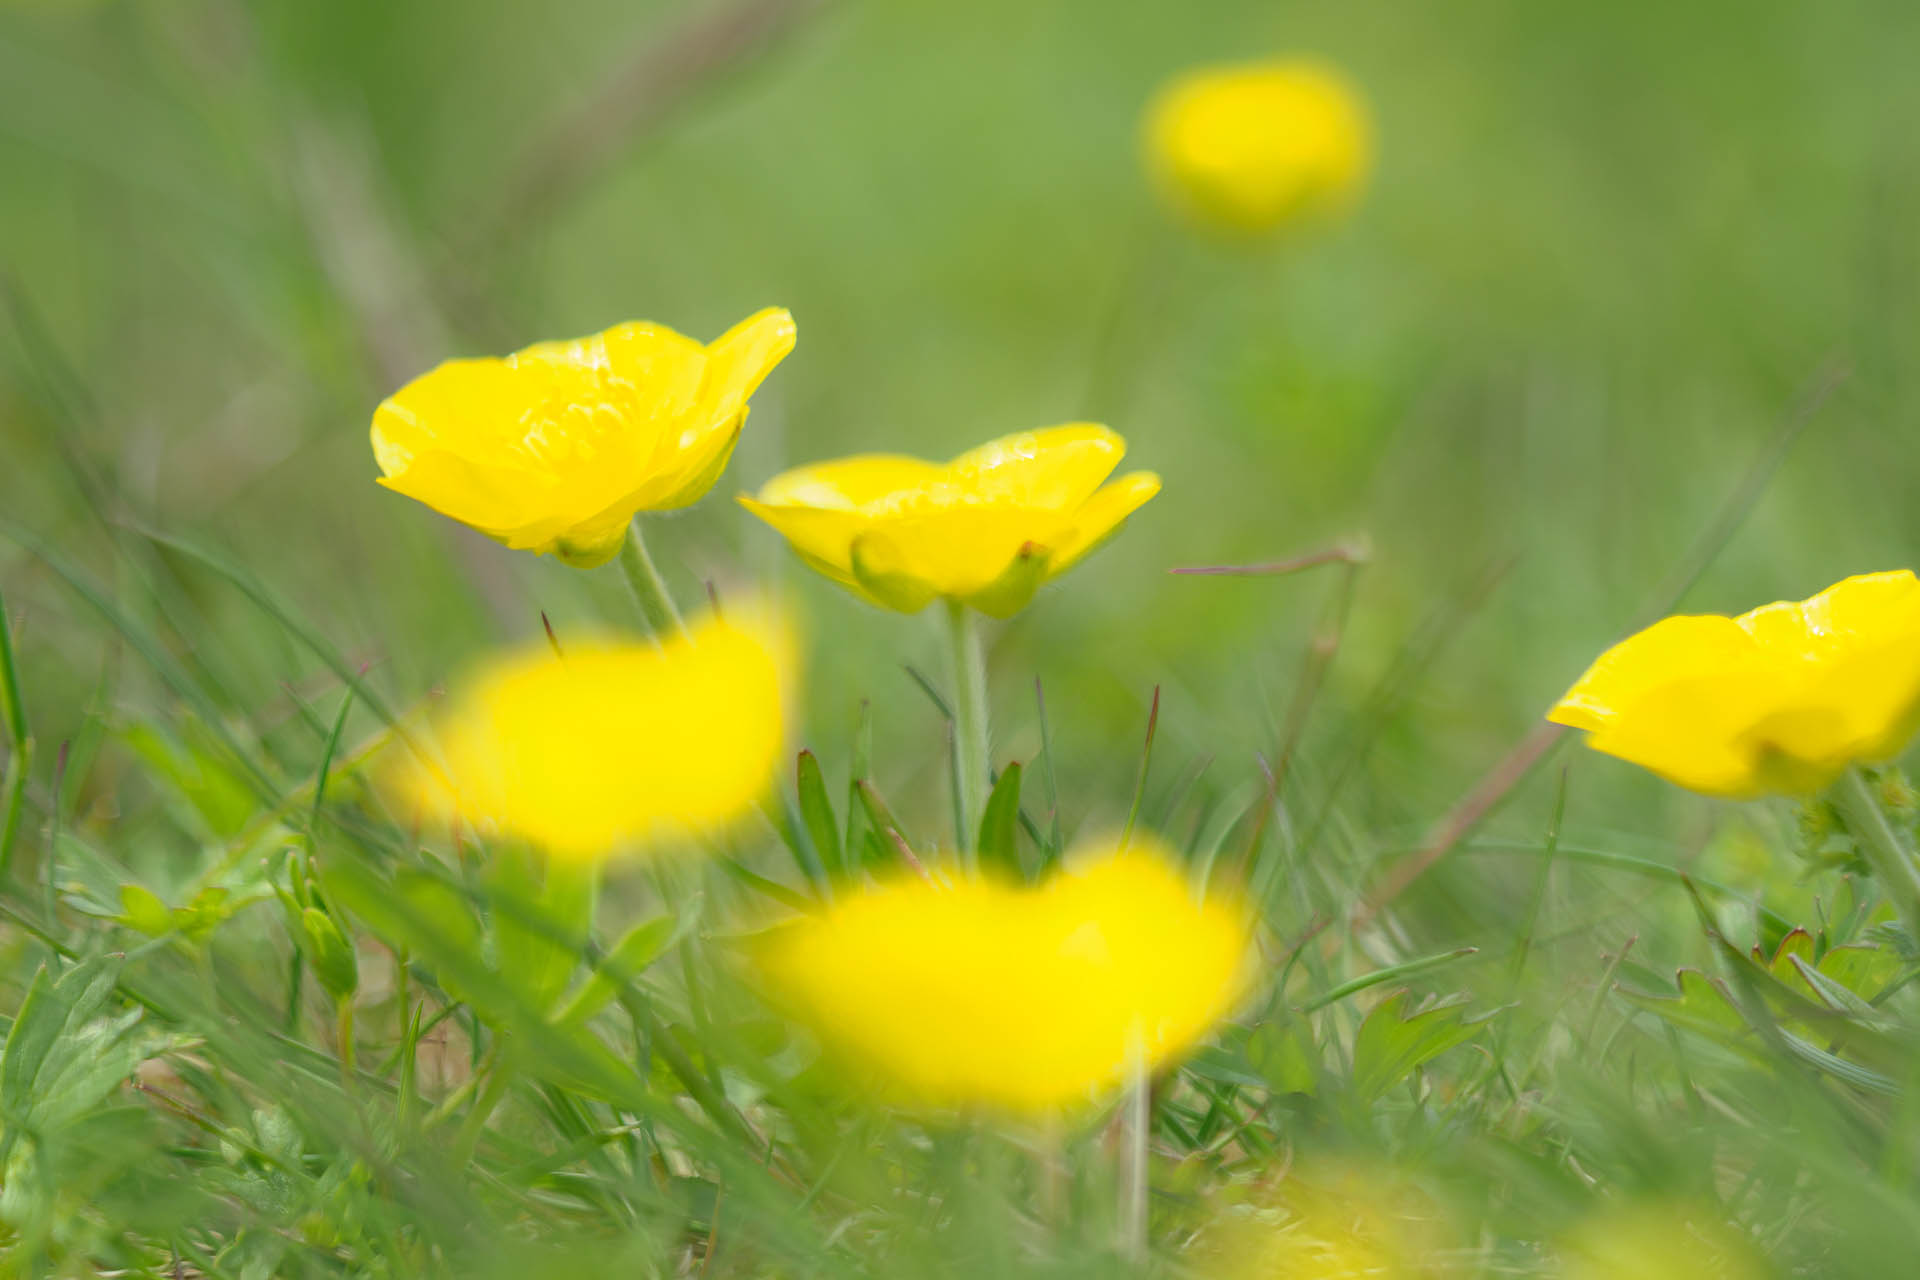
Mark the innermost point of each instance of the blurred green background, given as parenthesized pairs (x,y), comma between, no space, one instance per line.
(1607,249)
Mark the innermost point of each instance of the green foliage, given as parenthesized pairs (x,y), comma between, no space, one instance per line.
(260,1023)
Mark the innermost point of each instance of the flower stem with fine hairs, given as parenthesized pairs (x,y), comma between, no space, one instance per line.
(1885,849)
(649,591)
(969,723)
(1132,1155)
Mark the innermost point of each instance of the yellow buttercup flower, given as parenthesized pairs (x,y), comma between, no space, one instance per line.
(985,529)
(1778,700)
(985,992)
(557,447)
(1321,1222)
(614,746)
(1251,148)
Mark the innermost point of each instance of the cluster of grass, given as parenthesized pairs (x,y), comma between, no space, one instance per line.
(1614,263)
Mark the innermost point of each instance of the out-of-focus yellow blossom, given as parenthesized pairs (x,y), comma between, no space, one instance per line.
(1251,148)
(984,992)
(610,747)
(1338,1223)
(1658,1242)
(985,529)
(557,447)
(1778,700)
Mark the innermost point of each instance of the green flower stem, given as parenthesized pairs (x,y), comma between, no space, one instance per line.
(970,744)
(344,1022)
(1135,1103)
(649,591)
(1886,849)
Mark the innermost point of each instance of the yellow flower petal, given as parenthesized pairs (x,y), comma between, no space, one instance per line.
(955,551)
(981,991)
(850,484)
(1054,468)
(1671,650)
(1253,148)
(555,448)
(1695,732)
(1781,699)
(734,366)
(740,359)
(985,529)
(1101,518)
(614,746)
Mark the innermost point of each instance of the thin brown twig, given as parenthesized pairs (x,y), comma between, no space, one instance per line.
(908,856)
(1540,741)
(1354,552)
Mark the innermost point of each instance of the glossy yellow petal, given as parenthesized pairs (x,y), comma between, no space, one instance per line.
(1706,732)
(740,359)
(985,529)
(1781,699)
(733,367)
(1101,518)
(1862,610)
(1671,650)
(1051,469)
(822,536)
(615,746)
(1859,643)
(1876,692)
(850,483)
(984,992)
(955,550)
(555,448)
(495,500)
(1253,148)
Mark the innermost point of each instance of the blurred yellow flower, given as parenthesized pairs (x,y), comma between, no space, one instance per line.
(986,529)
(557,447)
(1254,147)
(1778,700)
(1339,1222)
(613,746)
(1658,1242)
(986,992)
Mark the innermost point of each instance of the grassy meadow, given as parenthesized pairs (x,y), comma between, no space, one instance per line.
(1625,323)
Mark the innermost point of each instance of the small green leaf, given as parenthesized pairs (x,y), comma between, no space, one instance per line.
(142,911)
(639,947)
(1864,970)
(330,954)
(1703,1005)
(1283,1051)
(816,812)
(1391,1044)
(1000,824)
(49,1010)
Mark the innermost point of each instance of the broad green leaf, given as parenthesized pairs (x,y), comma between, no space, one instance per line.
(1283,1051)
(1702,1005)
(1391,1043)
(1864,970)
(51,1009)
